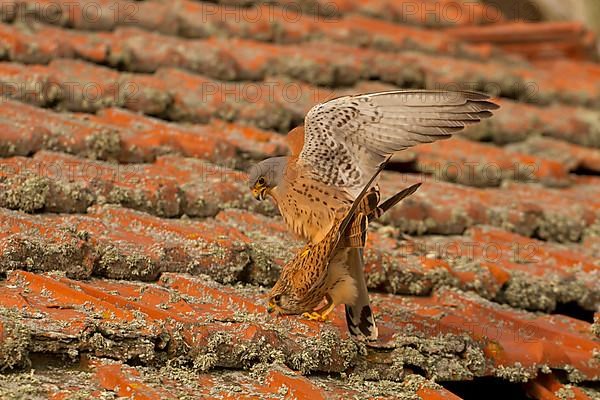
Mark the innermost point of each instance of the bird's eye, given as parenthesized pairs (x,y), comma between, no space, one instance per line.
(277,298)
(261,181)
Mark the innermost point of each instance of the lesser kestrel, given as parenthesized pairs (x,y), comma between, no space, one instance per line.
(319,271)
(341,145)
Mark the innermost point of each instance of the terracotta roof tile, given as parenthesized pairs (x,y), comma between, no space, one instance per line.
(154,15)
(571,124)
(277,382)
(531,210)
(478,164)
(421,12)
(159,319)
(572,156)
(547,40)
(513,269)
(548,387)
(134,262)
(171,186)
(341,64)
(370,32)
(149,134)
(198,310)
(264,22)
(498,341)
(168,93)
(128,137)
(30,84)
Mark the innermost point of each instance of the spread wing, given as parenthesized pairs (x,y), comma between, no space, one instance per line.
(346,139)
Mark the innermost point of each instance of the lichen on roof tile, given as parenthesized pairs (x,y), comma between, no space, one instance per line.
(134,262)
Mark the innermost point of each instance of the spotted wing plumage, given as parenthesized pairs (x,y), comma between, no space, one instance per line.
(347,138)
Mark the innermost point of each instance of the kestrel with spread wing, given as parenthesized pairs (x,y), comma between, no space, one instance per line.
(341,146)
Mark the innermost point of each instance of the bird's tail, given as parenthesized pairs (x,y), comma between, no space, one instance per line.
(359,315)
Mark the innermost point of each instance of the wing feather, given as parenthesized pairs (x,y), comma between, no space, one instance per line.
(346,139)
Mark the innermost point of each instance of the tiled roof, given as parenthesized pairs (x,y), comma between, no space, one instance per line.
(535,41)
(134,262)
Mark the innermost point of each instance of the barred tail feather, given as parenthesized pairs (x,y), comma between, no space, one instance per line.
(359,315)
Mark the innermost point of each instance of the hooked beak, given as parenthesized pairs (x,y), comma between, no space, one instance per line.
(259,193)
(274,308)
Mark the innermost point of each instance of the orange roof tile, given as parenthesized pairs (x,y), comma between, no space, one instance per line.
(135,263)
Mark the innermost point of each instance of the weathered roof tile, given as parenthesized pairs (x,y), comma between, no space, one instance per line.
(171,186)
(220,326)
(545,40)
(562,214)
(483,338)
(477,164)
(125,138)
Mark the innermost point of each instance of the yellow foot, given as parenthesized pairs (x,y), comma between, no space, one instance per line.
(304,253)
(315,316)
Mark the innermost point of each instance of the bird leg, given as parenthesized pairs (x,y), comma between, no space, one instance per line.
(321,313)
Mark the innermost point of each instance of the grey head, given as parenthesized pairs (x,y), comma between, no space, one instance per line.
(266,175)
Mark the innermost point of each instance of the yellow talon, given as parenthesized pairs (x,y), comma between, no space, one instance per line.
(321,313)
(314,316)
(304,253)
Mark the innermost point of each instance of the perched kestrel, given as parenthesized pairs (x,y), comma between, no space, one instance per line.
(341,145)
(320,270)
